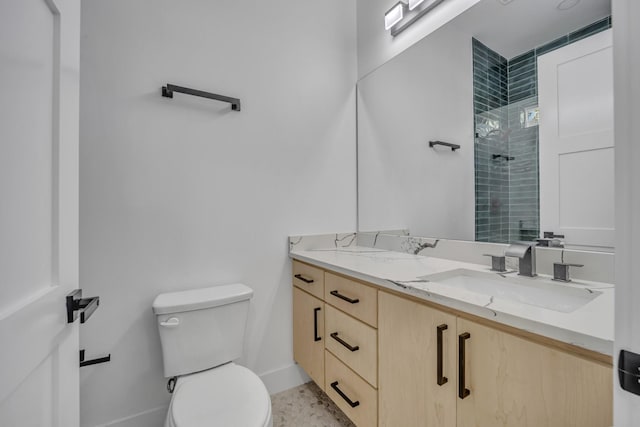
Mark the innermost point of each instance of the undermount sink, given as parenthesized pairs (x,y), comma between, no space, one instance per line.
(539,292)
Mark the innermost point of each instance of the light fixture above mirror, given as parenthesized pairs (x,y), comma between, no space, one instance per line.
(396,20)
(394,15)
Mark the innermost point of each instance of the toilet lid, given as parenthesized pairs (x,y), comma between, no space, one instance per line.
(229,395)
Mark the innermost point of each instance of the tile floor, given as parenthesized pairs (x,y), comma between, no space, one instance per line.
(306,406)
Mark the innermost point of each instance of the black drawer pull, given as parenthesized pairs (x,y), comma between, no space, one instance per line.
(463,391)
(315,324)
(334,385)
(441,378)
(303,278)
(347,299)
(344,343)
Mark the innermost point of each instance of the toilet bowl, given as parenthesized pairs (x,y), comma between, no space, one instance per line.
(202,333)
(229,396)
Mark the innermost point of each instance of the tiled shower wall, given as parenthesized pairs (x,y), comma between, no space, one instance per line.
(490,95)
(506,152)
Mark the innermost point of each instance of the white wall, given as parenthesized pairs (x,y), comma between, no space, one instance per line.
(626,56)
(424,94)
(183,193)
(376,45)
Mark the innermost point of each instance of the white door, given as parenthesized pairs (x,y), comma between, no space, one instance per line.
(39,66)
(576,142)
(626,33)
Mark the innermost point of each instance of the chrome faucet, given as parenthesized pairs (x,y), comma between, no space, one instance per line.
(526,254)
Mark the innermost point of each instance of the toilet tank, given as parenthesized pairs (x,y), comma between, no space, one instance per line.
(201,328)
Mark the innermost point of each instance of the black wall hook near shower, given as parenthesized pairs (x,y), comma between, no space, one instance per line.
(502,156)
(167,91)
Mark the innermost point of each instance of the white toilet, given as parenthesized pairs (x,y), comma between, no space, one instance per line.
(202,332)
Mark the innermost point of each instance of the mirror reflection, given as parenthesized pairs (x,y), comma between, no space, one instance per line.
(526,90)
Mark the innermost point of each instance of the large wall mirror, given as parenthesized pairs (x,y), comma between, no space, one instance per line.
(526,90)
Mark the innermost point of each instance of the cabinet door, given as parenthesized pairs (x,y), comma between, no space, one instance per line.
(515,382)
(408,389)
(308,334)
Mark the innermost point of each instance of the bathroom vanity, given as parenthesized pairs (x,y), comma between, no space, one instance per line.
(396,339)
(482,134)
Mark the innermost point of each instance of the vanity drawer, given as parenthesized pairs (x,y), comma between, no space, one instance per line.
(353,342)
(357,399)
(360,301)
(308,278)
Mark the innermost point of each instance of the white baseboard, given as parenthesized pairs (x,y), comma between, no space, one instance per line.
(284,378)
(150,418)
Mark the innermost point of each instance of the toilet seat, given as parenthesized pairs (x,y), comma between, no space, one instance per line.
(229,395)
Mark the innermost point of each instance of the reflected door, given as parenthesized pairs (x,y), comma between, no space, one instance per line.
(576,142)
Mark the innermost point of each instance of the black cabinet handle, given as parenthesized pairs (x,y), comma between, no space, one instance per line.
(463,391)
(315,324)
(304,279)
(441,378)
(334,385)
(342,297)
(344,343)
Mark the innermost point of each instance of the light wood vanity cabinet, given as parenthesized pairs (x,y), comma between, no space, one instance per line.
(349,346)
(516,382)
(411,393)
(308,334)
(407,368)
(494,378)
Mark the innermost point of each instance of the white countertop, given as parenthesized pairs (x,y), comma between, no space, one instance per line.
(590,326)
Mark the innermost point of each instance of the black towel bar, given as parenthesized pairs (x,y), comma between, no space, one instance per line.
(453,147)
(167,91)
